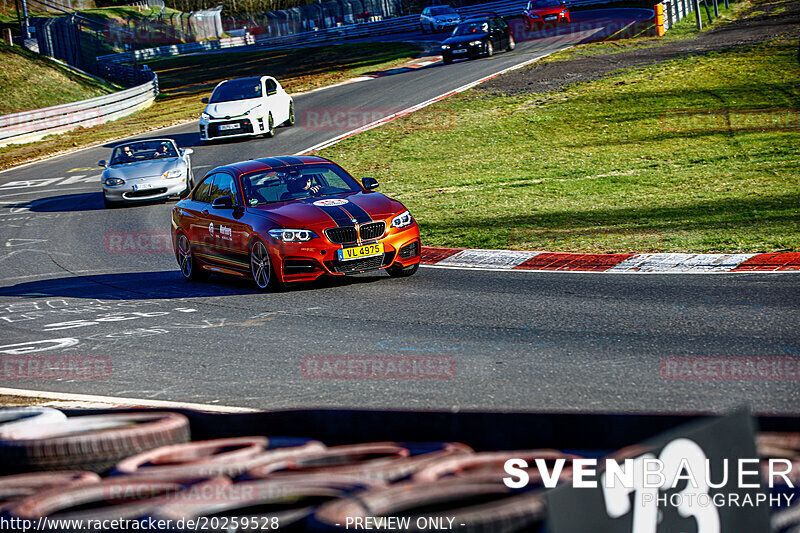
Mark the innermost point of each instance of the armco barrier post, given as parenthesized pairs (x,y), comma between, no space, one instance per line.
(668,20)
(696,7)
(659,9)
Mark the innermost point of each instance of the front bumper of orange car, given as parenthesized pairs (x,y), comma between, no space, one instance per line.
(307,261)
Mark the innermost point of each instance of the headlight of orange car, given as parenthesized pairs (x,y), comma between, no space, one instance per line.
(292,235)
(402,220)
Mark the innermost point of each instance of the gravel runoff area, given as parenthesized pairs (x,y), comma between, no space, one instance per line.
(756,25)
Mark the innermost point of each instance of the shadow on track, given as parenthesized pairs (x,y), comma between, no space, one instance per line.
(161,285)
(88,201)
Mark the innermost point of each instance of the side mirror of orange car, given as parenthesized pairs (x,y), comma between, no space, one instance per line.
(369,183)
(223,202)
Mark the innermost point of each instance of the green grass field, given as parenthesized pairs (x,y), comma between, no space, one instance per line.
(699,154)
(31,81)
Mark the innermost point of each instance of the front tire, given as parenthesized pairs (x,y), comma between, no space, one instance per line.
(397,271)
(511,43)
(447,60)
(261,268)
(489,49)
(190,270)
(422,29)
(270,127)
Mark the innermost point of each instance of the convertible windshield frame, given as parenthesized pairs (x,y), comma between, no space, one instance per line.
(143,151)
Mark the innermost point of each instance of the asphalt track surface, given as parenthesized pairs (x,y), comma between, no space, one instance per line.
(510,340)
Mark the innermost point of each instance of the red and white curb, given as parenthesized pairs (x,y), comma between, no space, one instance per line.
(662,263)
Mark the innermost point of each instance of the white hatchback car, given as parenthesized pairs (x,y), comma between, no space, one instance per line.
(245,107)
(438,18)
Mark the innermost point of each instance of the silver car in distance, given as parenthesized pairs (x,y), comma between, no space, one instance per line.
(138,171)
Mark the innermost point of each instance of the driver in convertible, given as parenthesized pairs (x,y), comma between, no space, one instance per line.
(165,150)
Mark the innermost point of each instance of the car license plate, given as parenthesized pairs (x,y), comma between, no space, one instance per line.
(551,17)
(347,254)
(459,51)
(224,127)
(140,186)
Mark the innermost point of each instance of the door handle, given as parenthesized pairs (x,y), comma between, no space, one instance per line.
(205,212)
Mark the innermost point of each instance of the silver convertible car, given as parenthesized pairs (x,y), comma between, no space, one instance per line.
(154,169)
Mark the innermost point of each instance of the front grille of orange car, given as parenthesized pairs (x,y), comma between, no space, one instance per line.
(342,235)
(373,230)
(360,265)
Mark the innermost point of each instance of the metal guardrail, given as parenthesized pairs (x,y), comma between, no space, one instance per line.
(675,11)
(30,126)
(148,3)
(505,8)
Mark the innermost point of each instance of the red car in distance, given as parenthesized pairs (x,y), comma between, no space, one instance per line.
(541,13)
(285,219)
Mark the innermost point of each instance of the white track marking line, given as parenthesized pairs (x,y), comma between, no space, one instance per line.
(124,402)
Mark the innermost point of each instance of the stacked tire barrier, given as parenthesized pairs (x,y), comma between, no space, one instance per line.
(128,469)
(31,126)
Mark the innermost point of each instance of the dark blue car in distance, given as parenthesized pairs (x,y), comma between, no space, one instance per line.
(479,35)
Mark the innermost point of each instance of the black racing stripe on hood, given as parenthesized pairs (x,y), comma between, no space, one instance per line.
(288,160)
(357,212)
(337,214)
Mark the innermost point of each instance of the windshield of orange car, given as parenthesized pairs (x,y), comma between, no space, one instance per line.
(288,183)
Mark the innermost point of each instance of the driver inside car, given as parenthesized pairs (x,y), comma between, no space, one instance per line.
(302,184)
